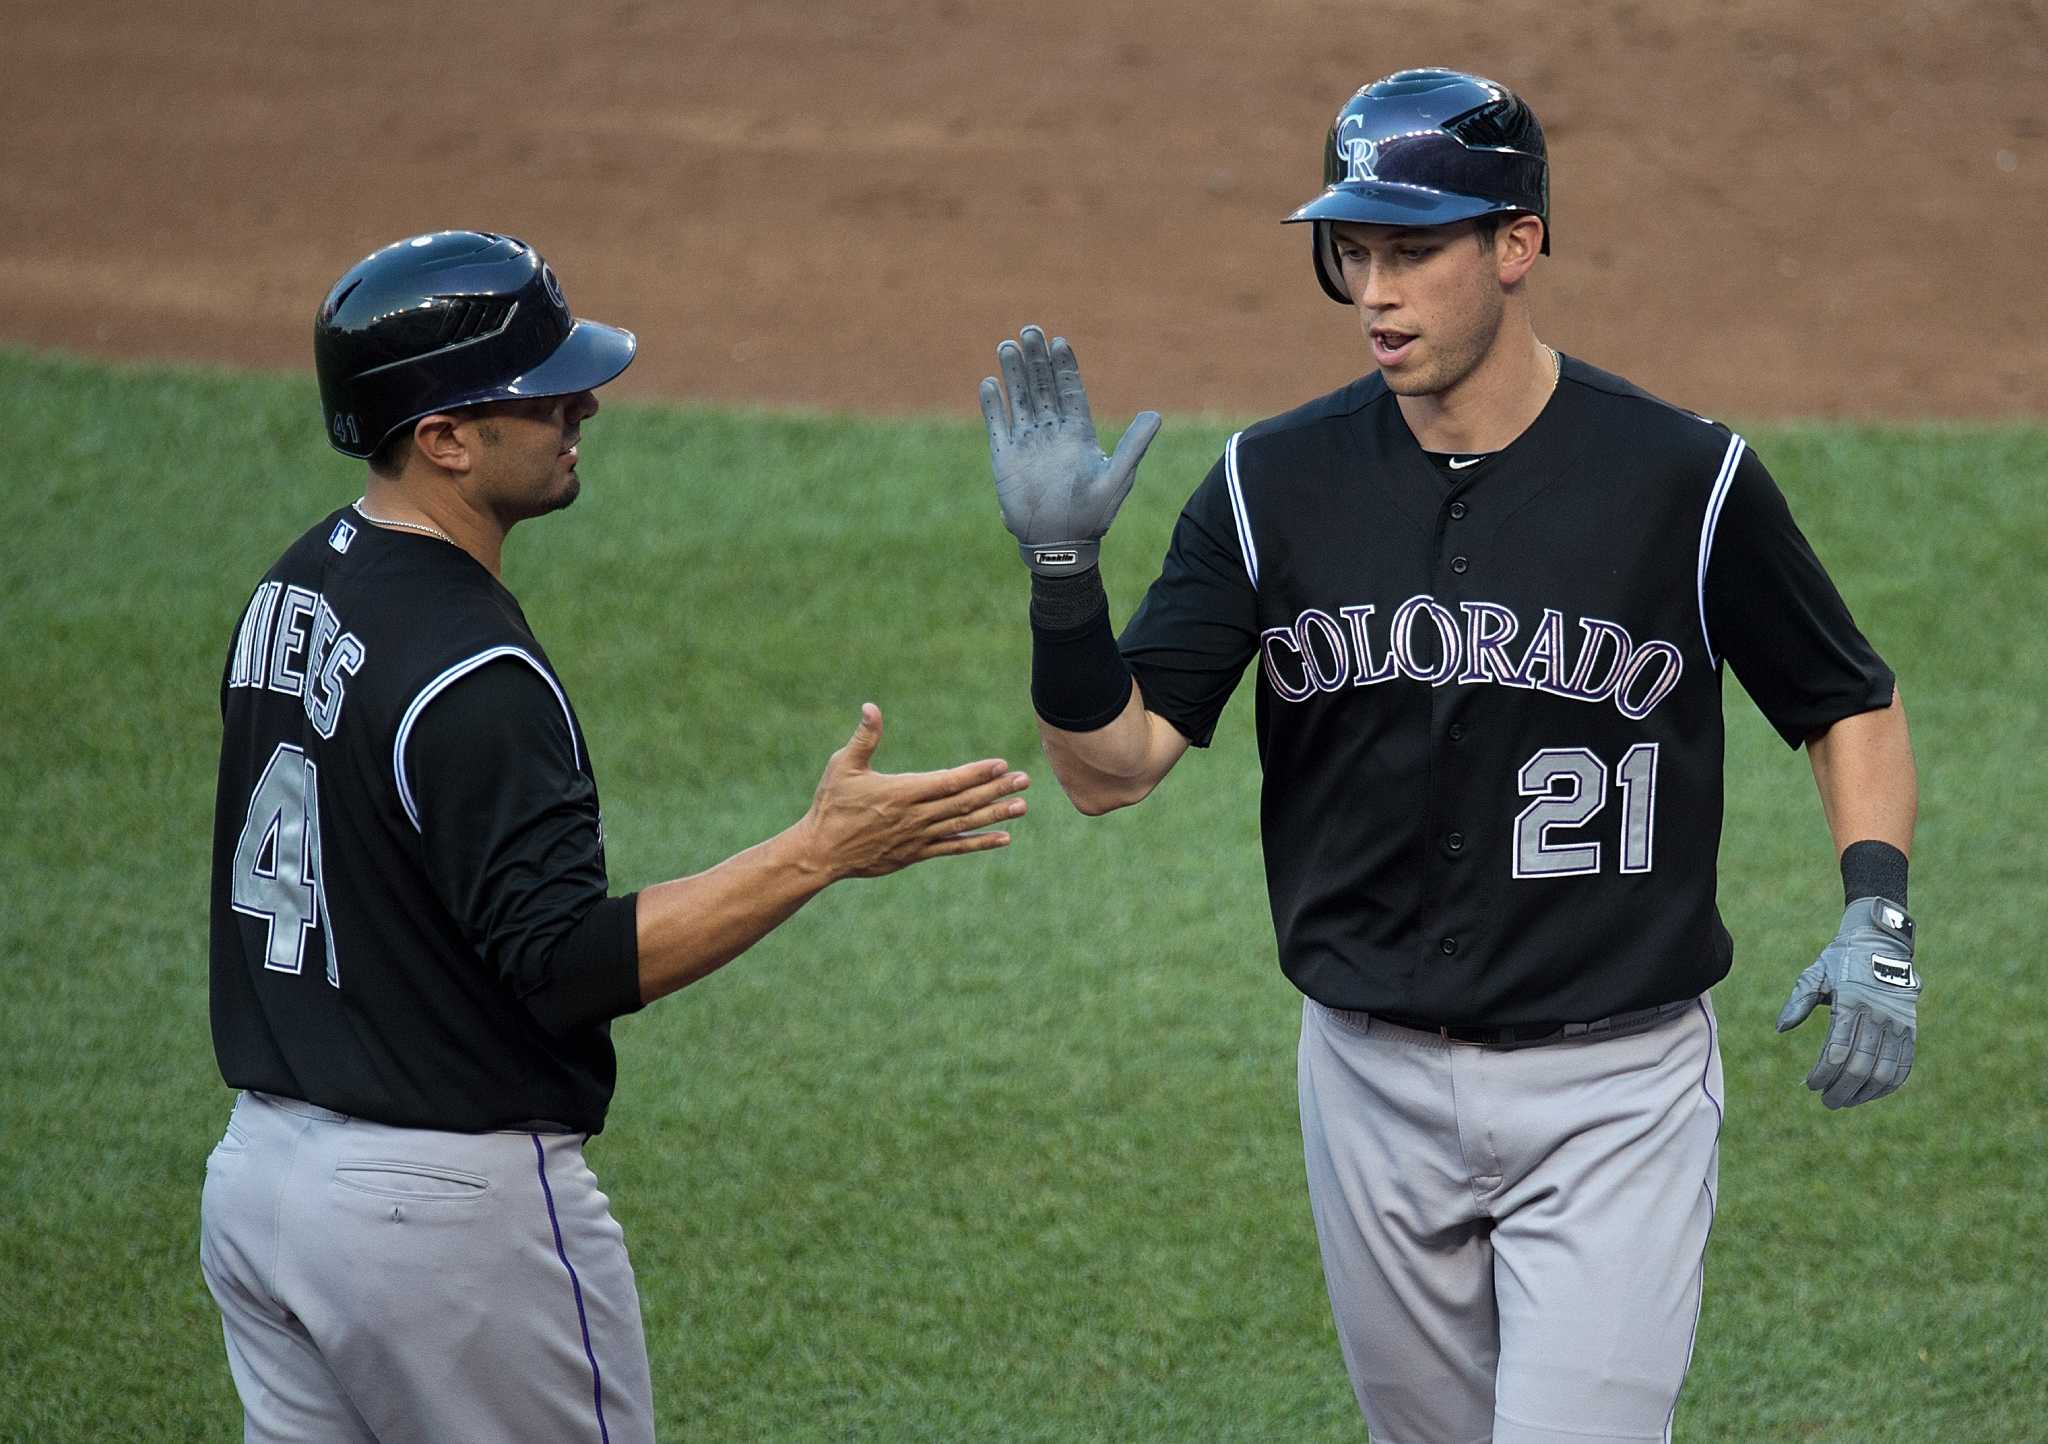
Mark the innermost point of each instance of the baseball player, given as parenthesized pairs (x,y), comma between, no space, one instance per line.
(1489,590)
(415,959)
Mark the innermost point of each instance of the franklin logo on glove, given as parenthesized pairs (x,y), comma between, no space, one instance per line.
(1896,971)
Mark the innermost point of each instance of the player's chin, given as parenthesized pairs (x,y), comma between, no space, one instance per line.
(566,492)
(1419,374)
(1409,380)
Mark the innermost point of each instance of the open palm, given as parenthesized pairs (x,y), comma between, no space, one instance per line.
(1057,491)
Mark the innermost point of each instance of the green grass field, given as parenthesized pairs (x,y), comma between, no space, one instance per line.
(909,1171)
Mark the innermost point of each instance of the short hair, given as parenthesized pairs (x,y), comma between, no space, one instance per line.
(389,457)
(1488,226)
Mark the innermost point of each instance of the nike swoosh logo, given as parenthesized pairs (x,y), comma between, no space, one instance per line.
(1457,465)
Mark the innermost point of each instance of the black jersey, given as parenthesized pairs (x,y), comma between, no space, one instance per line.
(1489,698)
(410,920)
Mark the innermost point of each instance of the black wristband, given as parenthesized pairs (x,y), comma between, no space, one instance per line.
(1079,682)
(1873,869)
(1062,604)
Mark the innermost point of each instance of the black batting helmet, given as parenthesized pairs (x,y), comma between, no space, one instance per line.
(445,320)
(1426,148)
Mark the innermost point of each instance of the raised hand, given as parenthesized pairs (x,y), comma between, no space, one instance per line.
(1057,490)
(865,823)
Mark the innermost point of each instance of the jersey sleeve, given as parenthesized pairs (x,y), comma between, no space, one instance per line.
(1197,626)
(1770,609)
(513,845)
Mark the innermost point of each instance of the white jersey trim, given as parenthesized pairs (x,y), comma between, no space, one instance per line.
(441,684)
(1715,501)
(1238,512)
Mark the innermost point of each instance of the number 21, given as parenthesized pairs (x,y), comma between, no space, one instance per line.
(1570,787)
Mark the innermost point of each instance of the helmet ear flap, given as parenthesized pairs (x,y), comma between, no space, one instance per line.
(1328,271)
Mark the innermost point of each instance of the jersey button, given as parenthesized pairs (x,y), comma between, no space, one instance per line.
(1448,946)
(1459,564)
(1457,511)
(1456,732)
(1455,842)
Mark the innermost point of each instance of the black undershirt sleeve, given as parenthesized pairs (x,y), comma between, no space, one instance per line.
(513,846)
(1775,616)
(1189,640)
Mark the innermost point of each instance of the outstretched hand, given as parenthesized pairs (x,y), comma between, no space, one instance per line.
(1057,490)
(865,823)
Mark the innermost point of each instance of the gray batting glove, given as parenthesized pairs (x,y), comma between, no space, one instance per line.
(1057,490)
(1866,978)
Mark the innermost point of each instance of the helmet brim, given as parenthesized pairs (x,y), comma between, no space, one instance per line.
(590,355)
(1386,203)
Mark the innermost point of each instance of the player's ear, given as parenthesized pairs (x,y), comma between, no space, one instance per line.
(444,441)
(1516,245)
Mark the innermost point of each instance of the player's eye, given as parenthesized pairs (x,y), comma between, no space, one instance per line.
(1415,253)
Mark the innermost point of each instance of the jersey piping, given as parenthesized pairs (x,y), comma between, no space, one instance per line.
(1715,501)
(1238,512)
(441,684)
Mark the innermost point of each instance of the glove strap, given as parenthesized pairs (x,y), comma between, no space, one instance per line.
(1873,869)
(1060,559)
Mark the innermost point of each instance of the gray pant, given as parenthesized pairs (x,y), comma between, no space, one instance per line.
(389,1284)
(1513,1240)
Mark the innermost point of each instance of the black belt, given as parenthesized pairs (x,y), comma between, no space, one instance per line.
(1523,1035)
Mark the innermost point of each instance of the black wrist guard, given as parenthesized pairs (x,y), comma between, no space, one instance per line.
(1079,682)
(1061,604)
(1873,869)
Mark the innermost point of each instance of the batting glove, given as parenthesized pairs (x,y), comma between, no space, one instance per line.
(1867,979)
(1057,490)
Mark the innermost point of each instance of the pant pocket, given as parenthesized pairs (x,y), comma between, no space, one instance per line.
(235,1140)
(401,1178)
(233,1146)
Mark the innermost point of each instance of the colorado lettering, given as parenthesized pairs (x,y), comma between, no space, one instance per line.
(1426,641)
(291,641)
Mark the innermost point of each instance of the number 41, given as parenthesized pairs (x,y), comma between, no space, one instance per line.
(277,876)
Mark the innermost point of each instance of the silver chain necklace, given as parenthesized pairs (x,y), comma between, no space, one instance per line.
(1556,365)
(419,526)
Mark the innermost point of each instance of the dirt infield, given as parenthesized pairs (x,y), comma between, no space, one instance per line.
(1825,209)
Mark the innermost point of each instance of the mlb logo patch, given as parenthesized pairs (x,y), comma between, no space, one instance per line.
(341,536)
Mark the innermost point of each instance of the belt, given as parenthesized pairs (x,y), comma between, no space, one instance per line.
(327,1115)
(1525,1035)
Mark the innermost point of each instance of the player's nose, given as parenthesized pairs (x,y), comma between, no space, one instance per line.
(1369,288)
(582,406)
